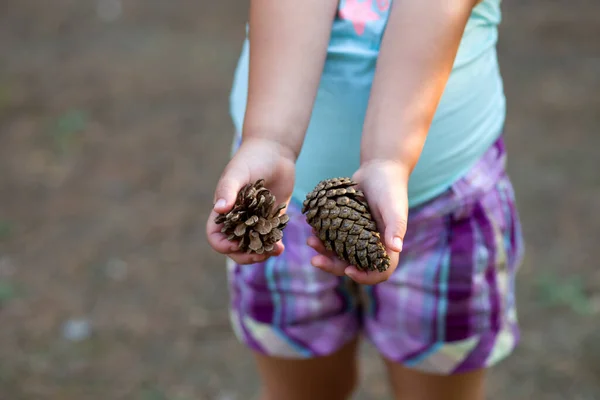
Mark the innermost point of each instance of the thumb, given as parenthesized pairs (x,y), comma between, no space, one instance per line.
(228,187)
(395,220)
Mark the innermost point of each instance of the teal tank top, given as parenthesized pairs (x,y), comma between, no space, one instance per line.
(469,117)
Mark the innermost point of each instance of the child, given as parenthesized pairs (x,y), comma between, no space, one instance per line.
(415,116)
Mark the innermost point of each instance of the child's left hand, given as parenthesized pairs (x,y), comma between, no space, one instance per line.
(385,186)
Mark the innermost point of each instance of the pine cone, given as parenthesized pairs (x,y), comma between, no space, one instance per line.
(253,220)
(340,215)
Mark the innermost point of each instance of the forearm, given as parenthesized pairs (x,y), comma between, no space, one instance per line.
(288,46)
(415,61)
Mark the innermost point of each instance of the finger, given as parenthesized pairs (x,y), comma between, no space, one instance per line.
(232,180)
(277,251)
(390,206)
(331,265)
(329,262)
(395,220)
(316,244)
(216,239)
(326,260)
(374,277)
(253,258)
(394,259)
(247,259)
(368,278)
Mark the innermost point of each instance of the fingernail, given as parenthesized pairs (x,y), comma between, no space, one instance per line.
(397,243)
(220,203)
(350,273)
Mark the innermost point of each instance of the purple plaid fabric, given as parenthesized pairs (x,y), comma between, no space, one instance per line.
(449,307)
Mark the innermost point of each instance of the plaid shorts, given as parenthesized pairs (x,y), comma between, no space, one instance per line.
(448,308)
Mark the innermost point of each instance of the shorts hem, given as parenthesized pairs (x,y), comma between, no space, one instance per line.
(453,358)
(271,341)
(444,358)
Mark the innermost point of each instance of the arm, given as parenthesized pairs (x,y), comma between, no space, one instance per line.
(288,46)
(415,61)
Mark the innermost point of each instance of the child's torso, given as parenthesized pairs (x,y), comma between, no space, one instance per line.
(468,119)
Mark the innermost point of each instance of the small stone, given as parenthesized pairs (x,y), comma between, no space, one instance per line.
(226,396)
(77,330)
(117,269)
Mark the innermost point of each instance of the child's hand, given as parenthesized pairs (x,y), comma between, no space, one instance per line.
(385,186)
(255,159)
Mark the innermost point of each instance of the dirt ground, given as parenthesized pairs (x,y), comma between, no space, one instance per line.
(113,129)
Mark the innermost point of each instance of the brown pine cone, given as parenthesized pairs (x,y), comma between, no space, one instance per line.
(254,221)
(340,215)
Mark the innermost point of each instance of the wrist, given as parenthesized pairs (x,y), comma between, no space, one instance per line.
(396,168)
(402,147)
(273,145)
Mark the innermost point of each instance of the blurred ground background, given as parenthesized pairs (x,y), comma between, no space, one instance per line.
(113,129)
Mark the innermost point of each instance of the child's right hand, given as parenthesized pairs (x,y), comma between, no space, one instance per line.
(255,159)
